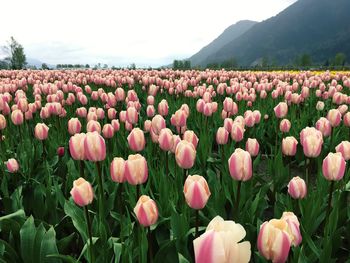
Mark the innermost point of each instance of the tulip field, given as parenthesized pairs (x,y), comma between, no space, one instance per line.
(174,166)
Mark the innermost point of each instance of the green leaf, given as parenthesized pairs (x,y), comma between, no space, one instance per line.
(48,246)
(117,249)
(77,216)
(10,252)
(19,213)
(64,258)
(40,232)
(182,259)
(27,235)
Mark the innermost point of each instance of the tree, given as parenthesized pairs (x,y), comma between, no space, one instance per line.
(87,66)
(305,60)
(44,66)
(4,64)
(16,56)
(339,59)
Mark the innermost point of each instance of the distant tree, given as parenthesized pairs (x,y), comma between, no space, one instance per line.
(305,60)
(4,64)
(132,66)
(265,62)
(230,63)
(87,66)
(44,66)
(187,64)
(58,66)
(213,65)
(69,66)
(339,59)
(175,64)
(16,56)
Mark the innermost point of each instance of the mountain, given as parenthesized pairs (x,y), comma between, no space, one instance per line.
(229,34)
(37,63)
(319,28)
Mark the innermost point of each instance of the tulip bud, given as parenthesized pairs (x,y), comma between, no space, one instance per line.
(60,151)
(185,154)
(333,167)
(12,165)
(252,146)
(240,165)
(166,139)
(82,192)
(117,170)
(95,147)
(196,191)
(222,136)
(146,211)
(285,125)
(281,110)
(289,146)
(41,131)
(136,140)
(297,188)
(136,170)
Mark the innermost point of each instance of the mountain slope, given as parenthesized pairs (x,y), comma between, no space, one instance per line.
(319,28)
(229,34)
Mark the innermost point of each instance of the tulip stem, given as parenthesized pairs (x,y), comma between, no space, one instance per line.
(197,222)
(150,247)
(307,171)
(166,164)
(236,209)
(81,168)
(331,188)
(89,232)
(184,175)
(137,192)
(101,191)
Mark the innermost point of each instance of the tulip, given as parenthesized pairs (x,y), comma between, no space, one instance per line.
(191,137)
(93,126)
(132,115)
(297,188)
(185,154)
(163,108)
(82,192)
(312,141)
(12,165)
(74,126)
(60,151)
(281,110)
(285,125)
(293,228)
(166,139)
(17,117)
(252,146)
(117,170)
(274,241)
(324,126)
(220,243)
(196,191)
(41,131)
(176,140)
(146,211)
(76,146)
(237,132)
(136,170)
(320,105)
(344,149)
(333,166)
(240,165)
(108,131)
(2,122)
(95,147)
(334,117)
(222,136)
(158,123)
(136,140)
(346,119)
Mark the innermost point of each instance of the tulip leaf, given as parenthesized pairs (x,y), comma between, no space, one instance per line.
(27,235)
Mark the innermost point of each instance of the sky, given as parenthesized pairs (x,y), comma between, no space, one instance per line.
(144,32)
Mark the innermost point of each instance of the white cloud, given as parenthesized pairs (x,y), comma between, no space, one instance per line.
(152,32)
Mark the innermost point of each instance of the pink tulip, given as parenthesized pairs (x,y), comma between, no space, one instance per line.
(320,106)
(117,170)
(136,140)
(146,211)
(221,243)
(163,108)
(293,228)
(191,137)
(281,110)
(240,165)
(76,146)
(150,111)
(136,169)
(93,126)
(95,147)
(297,188)
(74,126)
(274,241)
(333,166)
(312,141)
(252,146)
(346,119)
(132,115)
(12,165)
(334,117)
(237,132)
(116,125)
(108,131)
(111,113)
(41,131)
(166,139)
(285,125)
(2,122)
(176,140)
(158,123)
(60,151)
(196,191)
(17,117)
(324,126)
(344,149)
(222,136)
(185,154)
(82,192)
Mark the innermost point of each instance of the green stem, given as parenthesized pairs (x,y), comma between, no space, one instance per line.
(150,247)
(197,222)
(89,232)
(331,188)
(166,164)
(236,210)
(137,192)
(101,191)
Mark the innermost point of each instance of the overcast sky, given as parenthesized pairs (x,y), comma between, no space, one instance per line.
(146,32)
